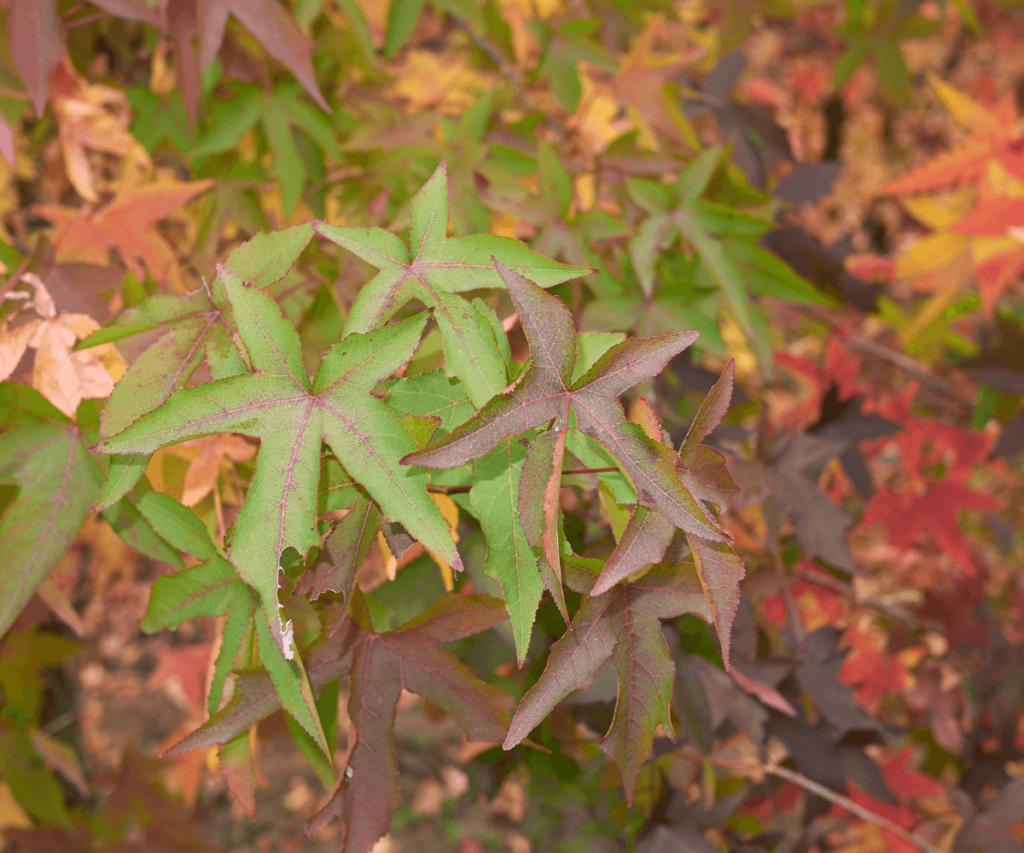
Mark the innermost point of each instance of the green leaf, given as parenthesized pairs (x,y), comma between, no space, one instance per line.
(237,640)
(123,472)
(435,271)
(770,276)
(510,560)
(291,684)
(403,15)
(268,257)
(133,528)
(694,180)
(57,481)
(431,395)
(178,524)
(276,404)
(197,324)
(189,594)
(111,334)
(893,74)
(722,267)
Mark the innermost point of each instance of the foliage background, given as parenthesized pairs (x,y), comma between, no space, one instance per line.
(847,229)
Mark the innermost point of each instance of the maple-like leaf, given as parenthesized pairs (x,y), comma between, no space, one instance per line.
(620,626)
(435,269)
(649,531)
(379,665)
(63,376)
(906,515)
(197,326)
(545,393)
(641,78)
(280,113)
(44,455)
(128,224)
(994,136)
(291,416)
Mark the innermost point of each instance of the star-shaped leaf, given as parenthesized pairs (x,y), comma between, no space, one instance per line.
(650,532)
(128,224)
(545,393)
(291,416)
(620,626)
(197,327)
(434,269)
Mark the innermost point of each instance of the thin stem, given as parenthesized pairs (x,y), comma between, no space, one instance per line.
(460,490)
(85,19)
(848,804)
(772,769)
(449,490)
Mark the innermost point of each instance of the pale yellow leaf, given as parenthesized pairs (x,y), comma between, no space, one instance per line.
(13,343)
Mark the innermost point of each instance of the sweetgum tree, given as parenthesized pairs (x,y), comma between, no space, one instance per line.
(356,449)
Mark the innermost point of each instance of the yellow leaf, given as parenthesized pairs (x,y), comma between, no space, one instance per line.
(967,112)
(942,210)
(12,815)
(586,191)
(998,181)
(450,511)
(442,83)
(597,114)
(61,375)
(931,254)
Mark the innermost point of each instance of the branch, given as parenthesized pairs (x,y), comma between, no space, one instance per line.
(757,769)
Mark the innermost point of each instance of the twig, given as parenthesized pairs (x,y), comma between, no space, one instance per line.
(508,71)
(571,471)
(85,19)
(898,359)
(772,769)
(829,582)
(848,804)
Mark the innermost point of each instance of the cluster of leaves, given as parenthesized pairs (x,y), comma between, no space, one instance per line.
(488,418)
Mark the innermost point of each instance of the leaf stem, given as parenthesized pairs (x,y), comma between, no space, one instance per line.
(460,490)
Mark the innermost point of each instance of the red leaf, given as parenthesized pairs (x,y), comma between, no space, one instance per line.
(621,626)
(898,815)
(37,45)
(906,782)
(272,26)
(907,515)
(379,665)
(546,392)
